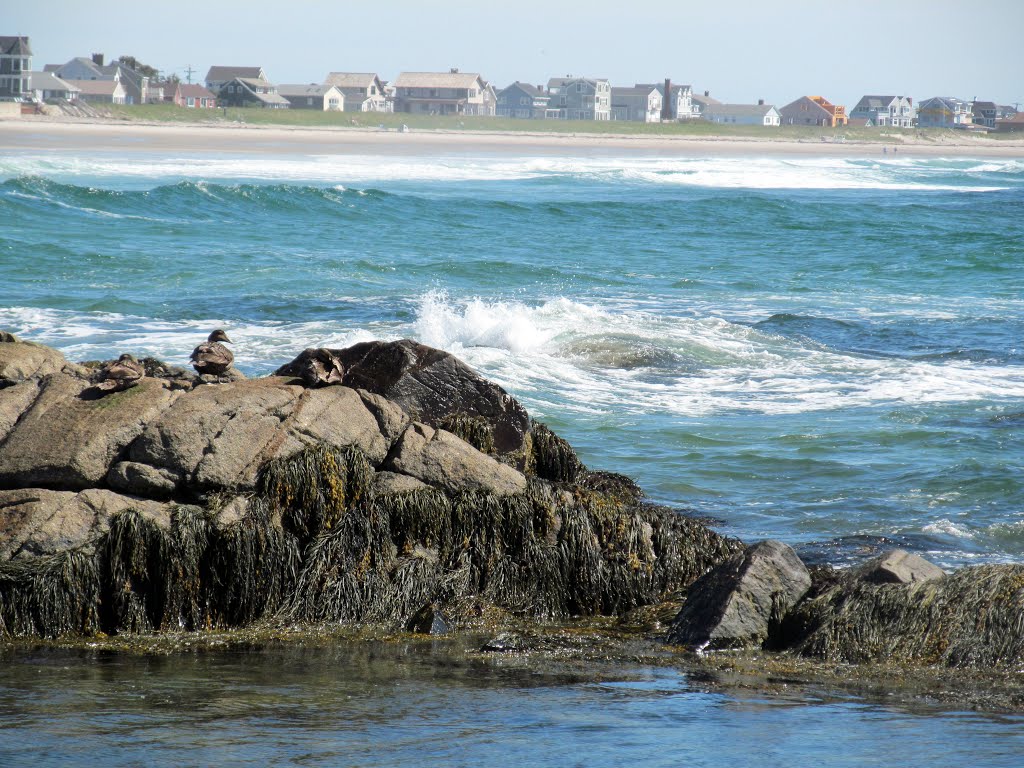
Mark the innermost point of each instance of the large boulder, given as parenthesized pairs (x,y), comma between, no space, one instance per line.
(218,436)
(441,459)
(737,604)
(432,386)
(67,439)
(21,360)
(35,521)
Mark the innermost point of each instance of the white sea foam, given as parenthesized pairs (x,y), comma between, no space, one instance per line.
(589,358)
(345,171)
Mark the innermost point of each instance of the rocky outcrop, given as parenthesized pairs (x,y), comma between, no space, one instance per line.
(179,502)
(440,459)
(969,618)
(23,360)
(430,385)
(737,604)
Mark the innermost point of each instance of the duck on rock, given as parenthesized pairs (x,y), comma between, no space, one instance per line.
(121,374)
(212,357)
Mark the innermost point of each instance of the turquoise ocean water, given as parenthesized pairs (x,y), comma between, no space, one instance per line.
(825,351)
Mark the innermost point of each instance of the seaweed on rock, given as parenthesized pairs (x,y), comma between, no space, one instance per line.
(49,597)
(475,430)
(317,544)
(552,458)
(972,618)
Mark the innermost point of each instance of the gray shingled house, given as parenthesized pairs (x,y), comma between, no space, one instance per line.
(15,66)
(326,98)
(522,100)
(579,98)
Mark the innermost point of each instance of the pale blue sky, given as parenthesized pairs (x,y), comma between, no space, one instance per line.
(740,50)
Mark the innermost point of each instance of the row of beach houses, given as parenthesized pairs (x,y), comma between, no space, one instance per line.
(92,79)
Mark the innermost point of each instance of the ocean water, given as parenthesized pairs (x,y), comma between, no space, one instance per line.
(820,350)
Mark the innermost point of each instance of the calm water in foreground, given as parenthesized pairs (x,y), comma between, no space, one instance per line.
(819,350)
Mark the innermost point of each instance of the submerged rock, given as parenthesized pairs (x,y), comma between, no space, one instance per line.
(739,601)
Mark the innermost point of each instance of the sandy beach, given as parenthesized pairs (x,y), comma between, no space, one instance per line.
(46,134)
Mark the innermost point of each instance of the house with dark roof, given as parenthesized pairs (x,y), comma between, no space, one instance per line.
(641,104)
(579,98)
(702,101)
(1011,124)
(522,100)
(251,92)
(46,86)
(219,76)
(444,93)
(326,98)
(984,113)
(743,114)
(886,111)
(15,66)
(943,112)
(813,110)
(363,91)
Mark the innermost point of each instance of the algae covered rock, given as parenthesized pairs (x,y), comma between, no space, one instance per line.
(36,522)
(739,601)
(970,618)
(218,436)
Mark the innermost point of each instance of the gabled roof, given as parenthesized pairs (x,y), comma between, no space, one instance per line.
(529,90)
(634,91)
(47,81)
(195,91)
(739,110)
(219,73)
(561,82)
(299,89)
(438,80)
(704,100)
(875,102)
(15,46)
(352,79)
(97,87)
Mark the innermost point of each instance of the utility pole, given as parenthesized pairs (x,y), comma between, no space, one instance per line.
(188,73)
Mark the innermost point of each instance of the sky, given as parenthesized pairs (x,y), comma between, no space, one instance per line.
(739,50)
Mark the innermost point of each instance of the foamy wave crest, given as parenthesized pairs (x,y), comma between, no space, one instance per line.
(599,360)
(584,357)
(342,170)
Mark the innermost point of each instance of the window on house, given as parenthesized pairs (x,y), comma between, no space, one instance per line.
(579,87)
(309,101)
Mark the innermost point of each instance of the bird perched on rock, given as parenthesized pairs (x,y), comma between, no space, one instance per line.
(212,357)
(121,374)
(319,368)
(8,338)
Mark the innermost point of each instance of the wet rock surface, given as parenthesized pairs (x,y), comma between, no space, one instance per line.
(737,604)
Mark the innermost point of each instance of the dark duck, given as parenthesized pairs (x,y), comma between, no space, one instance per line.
(212,357)
(121,374)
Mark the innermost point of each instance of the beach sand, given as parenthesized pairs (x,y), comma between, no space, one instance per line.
(48,134)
